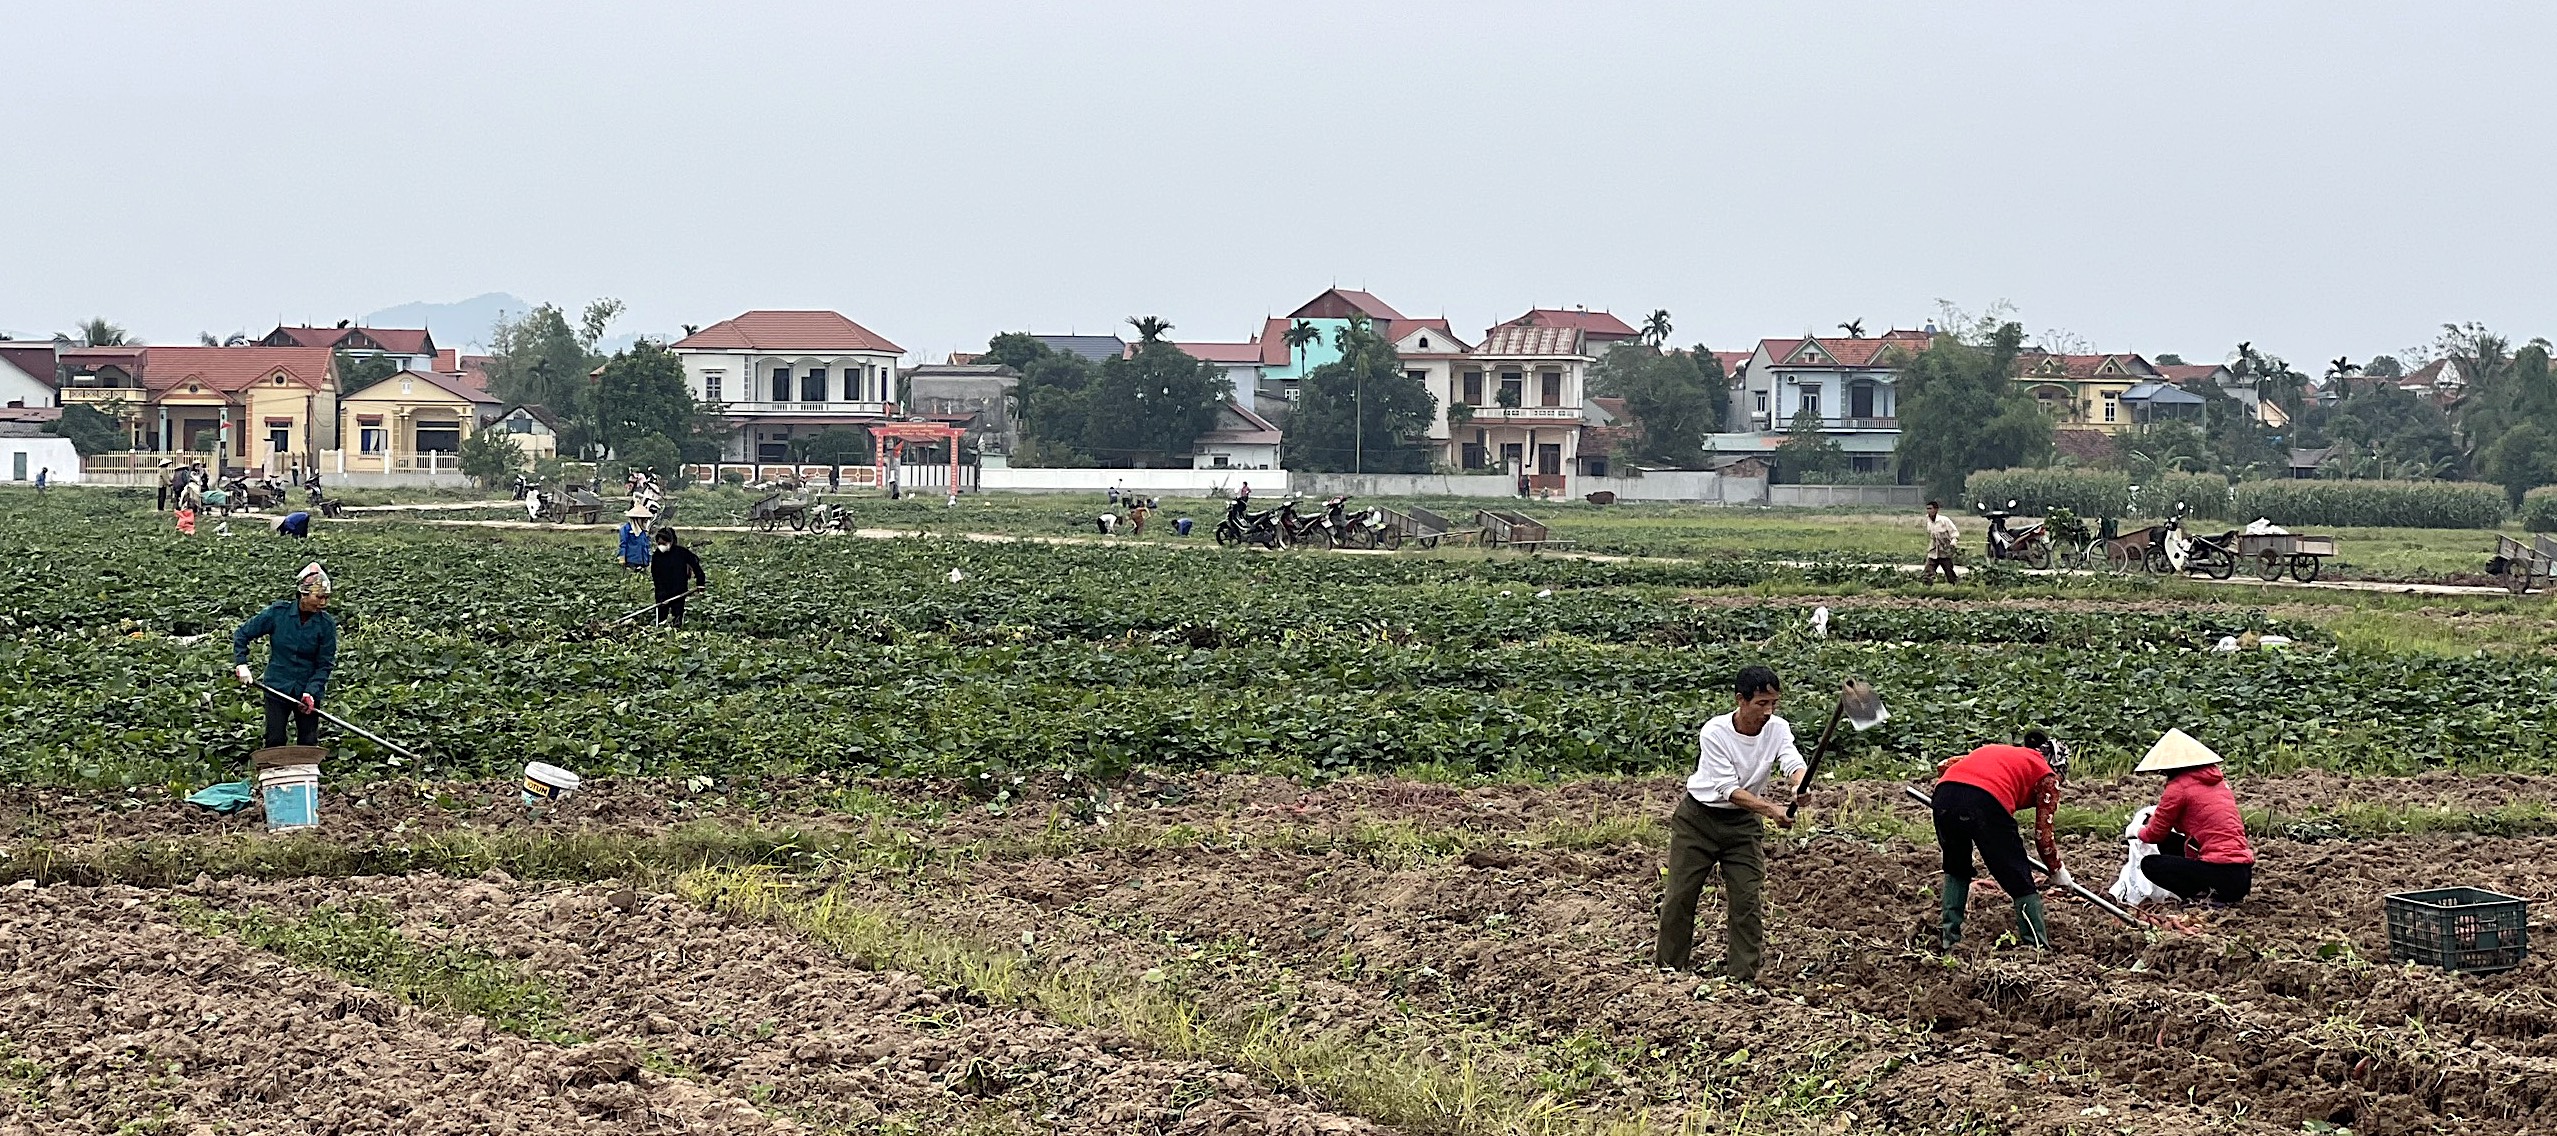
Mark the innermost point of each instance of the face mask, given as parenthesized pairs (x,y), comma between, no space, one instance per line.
(662,546)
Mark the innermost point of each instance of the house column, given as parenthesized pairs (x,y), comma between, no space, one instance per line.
(163,447)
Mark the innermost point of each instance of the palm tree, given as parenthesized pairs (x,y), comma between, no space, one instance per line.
(1149,329)
(98,332)
(1299,335)
(1854,328)
(1656,327)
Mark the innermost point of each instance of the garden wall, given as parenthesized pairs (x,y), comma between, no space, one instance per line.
(1828,496)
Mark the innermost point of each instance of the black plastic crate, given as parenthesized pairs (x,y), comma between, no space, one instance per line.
(2460,929)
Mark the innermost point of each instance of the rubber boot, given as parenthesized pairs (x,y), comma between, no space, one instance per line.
(1957,902)
(2031,925)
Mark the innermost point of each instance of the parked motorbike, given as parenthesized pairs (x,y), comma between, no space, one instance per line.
(1242,526)
(1296,528)
(521,487)
(2213,556)
(2030,544)
(2168,545)
(1370,528)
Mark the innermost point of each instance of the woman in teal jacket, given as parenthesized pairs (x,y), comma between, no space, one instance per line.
(301,650)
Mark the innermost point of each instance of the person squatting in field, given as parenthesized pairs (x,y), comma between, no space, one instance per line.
(1719,821)
(301,651)
(1977,796)
(667,572)
(2202,852)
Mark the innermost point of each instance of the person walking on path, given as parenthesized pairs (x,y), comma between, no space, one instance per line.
(301,651)
(634,539)
(2202,852)
(168,482)
(44,477)
(1941,540)
(1977,796)
(674,571)
(1718,822)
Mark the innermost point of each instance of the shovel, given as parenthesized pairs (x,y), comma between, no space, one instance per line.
(343,724)
(1862,708)
(2105,905)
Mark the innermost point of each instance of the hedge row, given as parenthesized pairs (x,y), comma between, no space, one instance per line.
(2098,493)
(2396,504)
(2539,509)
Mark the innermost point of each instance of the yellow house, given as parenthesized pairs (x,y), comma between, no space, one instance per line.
(411,422)
(266,408)
(2084,391)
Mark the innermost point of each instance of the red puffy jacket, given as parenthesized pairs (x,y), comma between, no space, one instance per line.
(2199,804)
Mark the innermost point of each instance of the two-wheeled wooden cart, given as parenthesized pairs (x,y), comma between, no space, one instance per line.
(2523,565)
(2273,553)
(1515,530)
(1418,525)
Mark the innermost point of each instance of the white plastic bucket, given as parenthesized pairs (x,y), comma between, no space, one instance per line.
(547,784)
(288,782)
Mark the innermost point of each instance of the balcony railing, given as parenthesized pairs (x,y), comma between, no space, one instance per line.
(880,409)
(134,395)
(1763,422)
(1526,413)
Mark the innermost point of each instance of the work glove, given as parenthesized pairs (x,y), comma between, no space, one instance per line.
(241,672)
(311,705)
(2061,879)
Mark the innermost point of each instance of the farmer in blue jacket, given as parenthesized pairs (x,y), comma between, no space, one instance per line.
(301,650)
(634,539)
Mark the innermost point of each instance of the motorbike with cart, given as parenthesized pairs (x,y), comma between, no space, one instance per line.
(1242,526)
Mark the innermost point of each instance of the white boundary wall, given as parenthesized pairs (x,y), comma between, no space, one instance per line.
(1177,482)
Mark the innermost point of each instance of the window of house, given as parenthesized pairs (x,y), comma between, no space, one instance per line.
(1512,455)
(1551,383)
(374,439)
(1221,460)
(1762,402)
(1417,376)
(711,381)
(1473,393)
(1513,388)
(1549,458)
(1811,402)
(439,437)
(812,386)
(781,384)
(2112,406)
(1471,454)
(1597,467)
(1866,463)
(1424,343)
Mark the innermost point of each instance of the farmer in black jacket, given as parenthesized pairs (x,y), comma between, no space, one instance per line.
(668,570)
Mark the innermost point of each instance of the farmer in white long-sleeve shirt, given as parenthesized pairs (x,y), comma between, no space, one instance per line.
(1717,822)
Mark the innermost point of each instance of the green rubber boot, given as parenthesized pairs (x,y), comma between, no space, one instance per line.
(2031,925)
(1957,902)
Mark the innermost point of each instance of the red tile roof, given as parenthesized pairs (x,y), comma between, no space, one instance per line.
(1732,361)
(1534,340)
(1227,353)
(787,331)
(1273,340)
(449,384)
(1837,352)
(233,369)
(448,360)
(401,340)
(36,359)
(2182,373)
(1336,303)
(2030,363)
(1599,325)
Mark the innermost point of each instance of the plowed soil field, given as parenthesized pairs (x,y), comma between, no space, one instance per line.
(1212,954)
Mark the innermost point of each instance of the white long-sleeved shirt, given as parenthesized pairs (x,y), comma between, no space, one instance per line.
(1941,535)
(1727,759)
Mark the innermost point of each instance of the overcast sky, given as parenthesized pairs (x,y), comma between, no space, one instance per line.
(2322,178)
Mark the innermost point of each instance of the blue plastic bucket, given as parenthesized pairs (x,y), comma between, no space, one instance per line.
(288,786)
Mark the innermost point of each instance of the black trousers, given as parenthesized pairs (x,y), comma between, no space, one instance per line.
(1967,817)
(306,727)
(671,610)
(2192,879)
(163,506)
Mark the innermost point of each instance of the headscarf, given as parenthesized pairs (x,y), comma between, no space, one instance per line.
(311,580)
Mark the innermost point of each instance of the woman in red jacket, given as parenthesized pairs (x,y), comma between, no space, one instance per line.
(1977,796)
(2202,854)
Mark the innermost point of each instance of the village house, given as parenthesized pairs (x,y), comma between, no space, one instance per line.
(534,429)
(2084,391)
(265,408)
(406,349)
(1241,439)
(1526,418)
(411,422)
(776,375)
(1283,368)
(30,375)
(1845,385)
(2261,410)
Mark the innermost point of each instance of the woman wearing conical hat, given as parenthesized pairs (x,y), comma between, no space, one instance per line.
(2202,853)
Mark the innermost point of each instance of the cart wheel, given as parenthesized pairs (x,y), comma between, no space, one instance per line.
(1429,542)
(2039,555)
(767,524)
(2304,567)
(2269,566)
(2222,565)
(2117,558)
(1389,539)
(798,522)
(2155,562)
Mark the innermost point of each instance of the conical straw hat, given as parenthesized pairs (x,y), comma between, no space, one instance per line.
(2177,750)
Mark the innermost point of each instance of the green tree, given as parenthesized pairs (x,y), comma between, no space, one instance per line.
(538,358)
(90,430)
(1656,327)
(356,372)
(2168,359)
(1361,412)
(642,392)
(1301,335)
(97,332)
(1152,406)
(1806,451)
(1674,398)
(654,452)
(1149,329)
(1961,412)
(1053,396)
(2384,367)
(489,457)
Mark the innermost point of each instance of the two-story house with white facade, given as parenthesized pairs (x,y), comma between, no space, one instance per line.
(1846,384)
(777,375)
(1523,389)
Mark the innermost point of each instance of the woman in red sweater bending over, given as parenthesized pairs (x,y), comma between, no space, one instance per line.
(2202,853)
(1977,796)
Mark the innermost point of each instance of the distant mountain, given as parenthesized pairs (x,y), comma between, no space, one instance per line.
(462,323)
